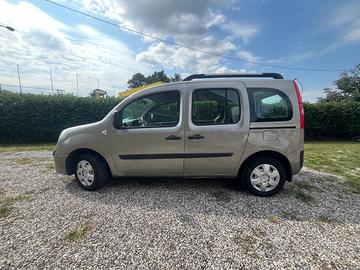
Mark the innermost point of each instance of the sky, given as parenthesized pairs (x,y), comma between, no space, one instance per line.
(302,34)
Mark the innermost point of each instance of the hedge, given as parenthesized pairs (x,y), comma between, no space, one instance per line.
(27,118)
(332,120)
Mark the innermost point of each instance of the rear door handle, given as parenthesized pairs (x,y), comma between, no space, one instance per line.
(196,137)
(173,138)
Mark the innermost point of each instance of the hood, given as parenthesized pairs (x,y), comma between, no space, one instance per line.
(66,133)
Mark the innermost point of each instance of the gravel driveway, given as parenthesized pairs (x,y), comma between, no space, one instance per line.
(47,221)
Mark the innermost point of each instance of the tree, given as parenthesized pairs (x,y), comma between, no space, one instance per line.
(176,77)
(348,87)
(158,76)
(137,80)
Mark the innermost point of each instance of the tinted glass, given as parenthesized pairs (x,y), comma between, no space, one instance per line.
(215,106)
(158,110)
(269,105)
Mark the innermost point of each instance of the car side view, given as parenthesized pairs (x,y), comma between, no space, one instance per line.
(244,126)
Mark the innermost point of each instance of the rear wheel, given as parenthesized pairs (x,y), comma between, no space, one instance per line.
(91,172)
(264,176)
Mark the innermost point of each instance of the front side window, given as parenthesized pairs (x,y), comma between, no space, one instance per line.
(157,110)
(215,107)
(268,105)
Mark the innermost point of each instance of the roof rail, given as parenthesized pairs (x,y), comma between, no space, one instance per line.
(240,75)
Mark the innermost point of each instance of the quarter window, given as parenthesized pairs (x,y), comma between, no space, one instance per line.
(215,106)
(267,105)
(157,110)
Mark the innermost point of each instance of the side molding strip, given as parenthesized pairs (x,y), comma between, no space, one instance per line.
(283,127)
(175,155)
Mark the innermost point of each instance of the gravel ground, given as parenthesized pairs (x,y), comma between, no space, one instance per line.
(47,221)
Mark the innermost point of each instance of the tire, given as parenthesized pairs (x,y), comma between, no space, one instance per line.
(264,176)
(91,173)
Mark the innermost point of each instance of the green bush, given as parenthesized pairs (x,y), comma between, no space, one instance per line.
(332,120)
(27,118)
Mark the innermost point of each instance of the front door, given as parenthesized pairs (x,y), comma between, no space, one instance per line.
(150,140)
(217,128)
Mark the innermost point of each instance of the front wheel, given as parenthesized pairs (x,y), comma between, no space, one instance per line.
(264,176)
(91,173)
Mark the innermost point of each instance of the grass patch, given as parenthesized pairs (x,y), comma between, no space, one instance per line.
(5,210)
(306,186)
(290,215)
(336,157)
(50,166)
(6,203)
(24,161)
(274,219)
(42,162)
(302,196)
(23,147)
(259,232)
(78,233)
(247,242)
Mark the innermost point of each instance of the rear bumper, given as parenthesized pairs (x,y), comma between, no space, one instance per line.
(297,162)
(301,159)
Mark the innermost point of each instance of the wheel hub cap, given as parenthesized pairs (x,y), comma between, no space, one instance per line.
(85,173)
(265,177)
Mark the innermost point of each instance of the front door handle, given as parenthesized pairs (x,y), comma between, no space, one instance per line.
(173,138)
(196,137)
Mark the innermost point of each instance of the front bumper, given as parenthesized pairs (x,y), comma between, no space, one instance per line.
(60,162)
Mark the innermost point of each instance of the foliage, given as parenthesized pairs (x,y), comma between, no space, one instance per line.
(176,77)
(139,79)
(27,118)
(348,87)
(332,120)
(79,232)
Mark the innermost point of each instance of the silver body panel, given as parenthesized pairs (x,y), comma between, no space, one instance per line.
(226,138)
(242,139)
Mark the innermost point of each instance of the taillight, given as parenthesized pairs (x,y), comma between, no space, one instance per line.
(301,107)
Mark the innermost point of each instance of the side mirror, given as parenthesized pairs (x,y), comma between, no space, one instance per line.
(117,119)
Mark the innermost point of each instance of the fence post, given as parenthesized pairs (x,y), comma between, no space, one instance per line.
(19,78)
(52,84)
(77,85)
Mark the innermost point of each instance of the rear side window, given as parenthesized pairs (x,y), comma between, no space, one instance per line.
(267,105)
(215,107)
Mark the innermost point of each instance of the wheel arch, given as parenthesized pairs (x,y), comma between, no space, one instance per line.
(70,160)
(268,153)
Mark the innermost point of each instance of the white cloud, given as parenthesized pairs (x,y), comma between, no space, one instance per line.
(223,69)
(245,32)
(182,58)
(187,22)
(247,56)
(177,19)
(40,42)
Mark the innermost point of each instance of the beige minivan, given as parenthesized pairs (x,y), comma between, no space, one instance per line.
(244,126)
